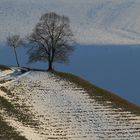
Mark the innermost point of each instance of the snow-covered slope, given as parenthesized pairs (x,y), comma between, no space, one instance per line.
(11,74)
(65,112)
(93,21)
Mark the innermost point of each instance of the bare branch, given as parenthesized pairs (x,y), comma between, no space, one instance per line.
(53,38)
(15,41)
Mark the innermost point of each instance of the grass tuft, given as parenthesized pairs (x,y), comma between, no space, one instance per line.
(3,67)
(9,133)
(16,110)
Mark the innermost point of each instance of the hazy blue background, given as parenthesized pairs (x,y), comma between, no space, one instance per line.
(113,67)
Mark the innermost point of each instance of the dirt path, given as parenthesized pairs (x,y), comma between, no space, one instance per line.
(65,112)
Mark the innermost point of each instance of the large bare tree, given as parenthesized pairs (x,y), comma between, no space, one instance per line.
(14,41)
(51,40)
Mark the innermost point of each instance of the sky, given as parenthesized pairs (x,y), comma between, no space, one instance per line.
(92,21)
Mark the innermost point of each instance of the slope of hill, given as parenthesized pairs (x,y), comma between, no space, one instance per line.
(93,21)
(42,105)
(3,67)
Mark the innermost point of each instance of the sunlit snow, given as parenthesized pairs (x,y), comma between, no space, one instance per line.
(65,111)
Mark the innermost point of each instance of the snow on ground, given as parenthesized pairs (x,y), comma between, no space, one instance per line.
(5,73)
(66,112)
(8,75)
(93,21)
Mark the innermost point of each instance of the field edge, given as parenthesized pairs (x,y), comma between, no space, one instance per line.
(116,101)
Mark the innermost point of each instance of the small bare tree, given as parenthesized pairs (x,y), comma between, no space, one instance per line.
(14,41)
(51,40)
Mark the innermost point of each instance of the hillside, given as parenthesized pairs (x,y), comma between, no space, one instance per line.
(42,105)
(3,67)
(98,21)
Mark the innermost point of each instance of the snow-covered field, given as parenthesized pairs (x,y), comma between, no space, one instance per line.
(65,112)
(93,21)
(8,75)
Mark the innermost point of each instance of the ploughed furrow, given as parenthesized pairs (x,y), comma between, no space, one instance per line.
(66,112)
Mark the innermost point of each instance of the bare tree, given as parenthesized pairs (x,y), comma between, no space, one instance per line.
(14,41)
(51,40)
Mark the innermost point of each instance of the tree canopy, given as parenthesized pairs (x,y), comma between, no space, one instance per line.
(15,41)
(51,40)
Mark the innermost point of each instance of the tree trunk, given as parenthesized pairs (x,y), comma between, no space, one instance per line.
(16,57)
(50,68)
